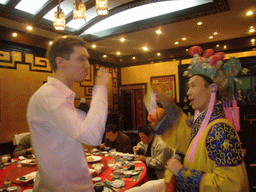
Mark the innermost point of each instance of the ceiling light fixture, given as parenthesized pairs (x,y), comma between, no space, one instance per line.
(104,56)
(145,48)
(215,33)
(133,58)
(251,30)
(59,21)
(118,53)
(102,7)
(199,23)
(184,38)
(176,43)
(94,46)
(249,13)
(122,39)
(158,54)
(29,28)
(79,10)
(210,37)
(158,31)
(14,34)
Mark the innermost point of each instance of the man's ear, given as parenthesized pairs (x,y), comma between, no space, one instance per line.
(60,62)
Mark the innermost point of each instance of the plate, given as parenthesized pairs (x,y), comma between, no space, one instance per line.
(135,172)
(27,177)
(93,158)
(97,164)
(28,162)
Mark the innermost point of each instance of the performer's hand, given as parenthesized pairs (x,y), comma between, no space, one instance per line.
(174,165)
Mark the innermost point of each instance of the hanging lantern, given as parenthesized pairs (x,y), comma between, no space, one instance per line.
(79,10)
(59,21)
(102,7)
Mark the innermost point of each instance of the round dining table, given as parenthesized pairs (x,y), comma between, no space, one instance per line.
(12,172)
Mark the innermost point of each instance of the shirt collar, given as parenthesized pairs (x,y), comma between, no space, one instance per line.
(63,88)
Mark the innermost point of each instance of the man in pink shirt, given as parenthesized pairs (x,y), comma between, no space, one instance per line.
(57,128)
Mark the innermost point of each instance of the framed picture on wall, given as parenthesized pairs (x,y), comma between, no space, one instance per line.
(165,83)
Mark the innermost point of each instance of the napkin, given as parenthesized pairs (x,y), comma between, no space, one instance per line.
(118,183)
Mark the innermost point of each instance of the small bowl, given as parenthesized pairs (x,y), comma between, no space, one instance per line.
(96,179)
(97,165)
(91,171)
(127,174)
(107,148)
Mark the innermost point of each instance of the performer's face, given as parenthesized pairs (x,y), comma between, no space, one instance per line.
(198,93)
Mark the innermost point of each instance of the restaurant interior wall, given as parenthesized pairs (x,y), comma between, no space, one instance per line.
(23,69)
(142,73)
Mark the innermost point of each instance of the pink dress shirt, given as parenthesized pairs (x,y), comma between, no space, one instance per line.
(57,131)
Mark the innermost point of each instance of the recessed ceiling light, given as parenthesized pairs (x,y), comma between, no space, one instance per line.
(249,13)
(158,54)
(210,37)
(251,30)
(133,58)
(215,33)
(14,34)
(253,41)
(217,45)
(199,23)
(122,39)
(176,43)
(104,56)
(94,46)
(50,43)
(145,48)
(158,31)
(186,50)
(29,28)
(225,47)
(184,38)
(118,53)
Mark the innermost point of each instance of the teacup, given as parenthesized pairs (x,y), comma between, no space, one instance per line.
(98,187)
(98,169)
(130,157)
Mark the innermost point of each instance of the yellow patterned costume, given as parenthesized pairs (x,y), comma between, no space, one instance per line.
(218,163)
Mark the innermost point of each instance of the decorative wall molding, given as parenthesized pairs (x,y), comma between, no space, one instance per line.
(10,59)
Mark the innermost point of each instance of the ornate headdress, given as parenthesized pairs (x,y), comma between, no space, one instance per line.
(220,71)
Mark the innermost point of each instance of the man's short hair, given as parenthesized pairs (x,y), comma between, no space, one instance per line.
(146,129)
(111,127)
(62,47)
